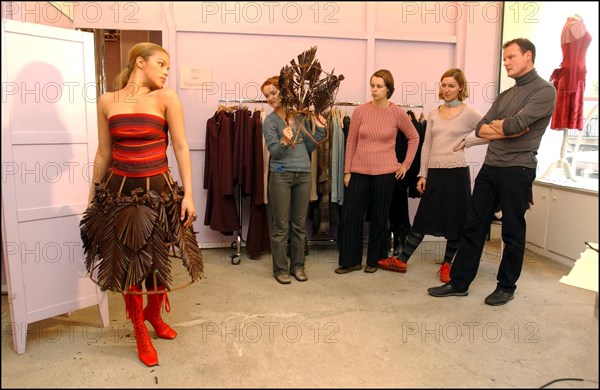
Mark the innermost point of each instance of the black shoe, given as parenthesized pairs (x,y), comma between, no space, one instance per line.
(446,290)
(345,270)
(300,275)
(499,297)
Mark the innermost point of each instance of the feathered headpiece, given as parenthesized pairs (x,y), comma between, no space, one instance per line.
(303,91)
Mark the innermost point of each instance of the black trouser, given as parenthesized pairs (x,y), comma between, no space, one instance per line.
(510,188)
(364,191)
(399,214)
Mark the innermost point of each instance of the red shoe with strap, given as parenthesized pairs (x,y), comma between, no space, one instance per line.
(444,272)
(393,264)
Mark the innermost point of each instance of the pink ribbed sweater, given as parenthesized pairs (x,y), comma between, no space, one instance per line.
(371,143)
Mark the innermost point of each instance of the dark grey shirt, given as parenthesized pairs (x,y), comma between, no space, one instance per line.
(529,103)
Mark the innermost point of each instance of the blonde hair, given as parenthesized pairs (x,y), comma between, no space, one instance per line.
(142,49)
(460,78)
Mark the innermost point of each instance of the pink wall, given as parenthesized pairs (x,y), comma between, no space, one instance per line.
(243,43)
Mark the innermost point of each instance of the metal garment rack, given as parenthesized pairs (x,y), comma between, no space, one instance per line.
(351,104)
(237,244)
(236,100)
(403,105)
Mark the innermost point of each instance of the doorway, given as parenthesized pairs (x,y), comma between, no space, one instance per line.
(112,48)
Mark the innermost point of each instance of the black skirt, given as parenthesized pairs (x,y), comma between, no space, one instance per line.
(443,206)
(132,229)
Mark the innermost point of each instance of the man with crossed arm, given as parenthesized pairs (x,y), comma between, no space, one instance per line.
(514,125)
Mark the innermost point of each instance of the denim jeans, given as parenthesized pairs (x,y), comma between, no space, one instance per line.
(289,195)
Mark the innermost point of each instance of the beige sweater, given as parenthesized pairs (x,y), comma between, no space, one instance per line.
(443,135)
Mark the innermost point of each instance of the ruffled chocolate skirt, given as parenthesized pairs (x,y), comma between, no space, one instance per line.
(132,230)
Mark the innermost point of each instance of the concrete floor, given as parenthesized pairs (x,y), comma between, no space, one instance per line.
(238,327)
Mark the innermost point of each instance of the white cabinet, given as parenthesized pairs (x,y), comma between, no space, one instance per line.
(537,216)
(562,219)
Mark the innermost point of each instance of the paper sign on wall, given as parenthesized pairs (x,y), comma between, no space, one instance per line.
(194,77)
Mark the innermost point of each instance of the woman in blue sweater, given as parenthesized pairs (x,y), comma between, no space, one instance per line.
(289,181)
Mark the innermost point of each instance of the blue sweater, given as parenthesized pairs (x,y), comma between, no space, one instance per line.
(287,158)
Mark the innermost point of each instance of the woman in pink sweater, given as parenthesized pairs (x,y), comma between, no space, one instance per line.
(370,172)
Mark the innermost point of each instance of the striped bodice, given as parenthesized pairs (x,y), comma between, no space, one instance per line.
(139,144)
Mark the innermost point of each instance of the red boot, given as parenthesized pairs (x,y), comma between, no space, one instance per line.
(133,306)
(152,314)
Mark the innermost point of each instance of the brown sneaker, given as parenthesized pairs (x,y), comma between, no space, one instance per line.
(300,275)
(283,278)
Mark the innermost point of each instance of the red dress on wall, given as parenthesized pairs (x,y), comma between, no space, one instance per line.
(569,79)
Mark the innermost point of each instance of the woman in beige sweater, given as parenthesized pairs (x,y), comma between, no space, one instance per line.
(444,178)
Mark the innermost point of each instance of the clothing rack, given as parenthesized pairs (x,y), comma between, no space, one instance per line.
(237,244)
(405,105)
(240,100)
(337,103)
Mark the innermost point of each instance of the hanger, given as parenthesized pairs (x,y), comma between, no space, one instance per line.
(226,108)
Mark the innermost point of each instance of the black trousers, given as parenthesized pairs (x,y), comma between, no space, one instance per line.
(365,191)
(399,213)
(510,188)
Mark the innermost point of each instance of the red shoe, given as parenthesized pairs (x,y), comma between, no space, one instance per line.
(444,272)
(393,264)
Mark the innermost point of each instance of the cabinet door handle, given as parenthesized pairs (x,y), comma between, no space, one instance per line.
(554,197)
(544,196)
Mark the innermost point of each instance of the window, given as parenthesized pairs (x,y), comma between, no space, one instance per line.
(565,157)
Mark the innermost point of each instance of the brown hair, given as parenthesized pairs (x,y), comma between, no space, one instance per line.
(388,79)
(524,44)
(270,81)
(460,78)
(142,49)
